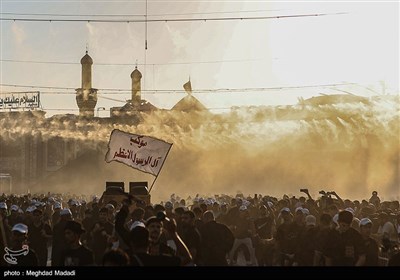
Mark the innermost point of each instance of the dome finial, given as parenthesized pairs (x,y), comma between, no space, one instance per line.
(87,48)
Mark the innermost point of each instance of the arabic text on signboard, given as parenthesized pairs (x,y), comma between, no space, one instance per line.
(20,100)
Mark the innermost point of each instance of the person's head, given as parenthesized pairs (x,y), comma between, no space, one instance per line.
(332,210)
(115,257)
(137,214)
(356,223)
(208,216)
(325,220)
(72,232)
(154,226)
(178,213)
(364,203)
(262,210)
(111,210)
(14,210)
(65,214)
(169,207)
(215,206)
(299,215)
(243,211)
(311,221)
(365,227)
(158,208)
(383,218)
(223,208)
(286,215)
(345,219)
(19,234)
(57,207)
(187,218)
(139,239)
(3,209)
(374,193)
(103,214)
(203,207)
(198,212)
(37,215)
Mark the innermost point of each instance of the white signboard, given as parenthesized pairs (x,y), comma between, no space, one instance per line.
(141,152)
(17,100)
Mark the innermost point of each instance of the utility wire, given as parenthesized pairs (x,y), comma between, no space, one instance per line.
(134,15)
(129,64)
(167,19)
(219,90)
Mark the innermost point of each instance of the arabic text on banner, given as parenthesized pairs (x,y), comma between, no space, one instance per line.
(140,152)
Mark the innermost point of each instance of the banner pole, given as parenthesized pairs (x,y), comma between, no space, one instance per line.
(160,168)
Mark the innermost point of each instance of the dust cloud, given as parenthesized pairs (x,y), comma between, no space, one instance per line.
(352,148)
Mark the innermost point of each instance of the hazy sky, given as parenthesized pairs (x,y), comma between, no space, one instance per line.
(361,46)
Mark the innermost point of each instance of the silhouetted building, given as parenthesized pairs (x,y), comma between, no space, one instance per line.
(136,105)
(86,96)
(189,102)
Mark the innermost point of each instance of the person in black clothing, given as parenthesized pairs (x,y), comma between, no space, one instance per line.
(87,223)
(115,257)
(217,241)
(76,254)
(394,260)
(265,223)
(371,246)
(345,246)
(305,250)
(58,244)
(198,222)
(288,236)
(100,234)
(324,230)
(190,235)
(19,235)
(39,234)
(5,224)
(265,227)
(55,217)
(15,217)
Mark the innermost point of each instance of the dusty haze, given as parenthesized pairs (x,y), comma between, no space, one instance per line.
(352,148)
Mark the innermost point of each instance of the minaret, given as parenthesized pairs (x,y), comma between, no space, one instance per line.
(136,88)
(86,96)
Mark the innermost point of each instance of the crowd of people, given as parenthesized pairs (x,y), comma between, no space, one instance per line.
(222,230)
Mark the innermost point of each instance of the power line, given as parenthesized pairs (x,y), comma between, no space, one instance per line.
(112,99)
(129,64)
(218,90)
(77,109)
(167,19)
(136,15)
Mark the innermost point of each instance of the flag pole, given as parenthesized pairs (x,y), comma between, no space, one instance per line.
(160,169)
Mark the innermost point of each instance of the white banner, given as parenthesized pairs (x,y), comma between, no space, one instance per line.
(140,152)
(18,100)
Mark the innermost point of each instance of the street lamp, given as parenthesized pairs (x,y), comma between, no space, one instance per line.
(99,108)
